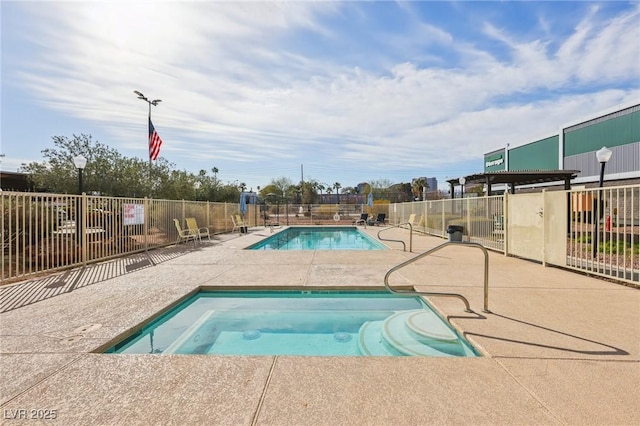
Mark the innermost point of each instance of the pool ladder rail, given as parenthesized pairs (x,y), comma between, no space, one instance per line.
(404,246)
(459,296)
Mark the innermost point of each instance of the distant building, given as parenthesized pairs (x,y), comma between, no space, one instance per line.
(573,147)
(10,181)
(432,184)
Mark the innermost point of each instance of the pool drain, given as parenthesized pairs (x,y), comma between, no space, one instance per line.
(251,334)
(342,337)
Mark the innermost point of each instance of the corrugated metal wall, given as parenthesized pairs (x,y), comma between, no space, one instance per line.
(624,158)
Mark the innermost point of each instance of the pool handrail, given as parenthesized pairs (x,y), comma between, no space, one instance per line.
(459,296)
(404,246)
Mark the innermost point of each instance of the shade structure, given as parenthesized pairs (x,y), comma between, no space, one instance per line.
(370,199)
(243,203)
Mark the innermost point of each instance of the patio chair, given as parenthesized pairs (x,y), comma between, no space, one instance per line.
(192,224)
(380,219)
(184,234)
(362,220)
(238,223)
(412,219)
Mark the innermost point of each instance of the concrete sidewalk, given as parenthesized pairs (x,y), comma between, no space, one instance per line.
(559,347)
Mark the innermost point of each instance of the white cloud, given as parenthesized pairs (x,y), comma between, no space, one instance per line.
(237,86)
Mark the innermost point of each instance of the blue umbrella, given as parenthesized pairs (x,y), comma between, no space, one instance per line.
(243,203)
(370,199)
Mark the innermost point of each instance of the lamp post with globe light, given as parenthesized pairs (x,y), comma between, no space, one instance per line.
(462,181)
(80,162)
(603,155)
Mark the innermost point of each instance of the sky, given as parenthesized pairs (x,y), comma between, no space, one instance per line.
(344,92)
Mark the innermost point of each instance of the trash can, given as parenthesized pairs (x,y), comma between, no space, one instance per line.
(455,232)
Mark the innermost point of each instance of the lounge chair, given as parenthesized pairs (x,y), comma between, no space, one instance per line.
(238,223)
(362,220)
(412,219)
(380,219)
(192,224)
(184,234)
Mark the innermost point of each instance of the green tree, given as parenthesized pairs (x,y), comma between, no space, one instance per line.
(110,173)
(282,184)
(269,189)
(130,179)
(400,192)
(381,188)
(228,193)
(310,192)
(210,186)
(57,173)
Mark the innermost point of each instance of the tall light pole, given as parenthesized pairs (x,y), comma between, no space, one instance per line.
(603,155)
(154,102)
(80,162)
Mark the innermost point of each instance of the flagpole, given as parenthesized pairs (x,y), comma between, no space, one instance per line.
(148,137)
(154,103)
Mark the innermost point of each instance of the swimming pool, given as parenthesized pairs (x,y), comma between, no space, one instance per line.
(319,238)
(315,323)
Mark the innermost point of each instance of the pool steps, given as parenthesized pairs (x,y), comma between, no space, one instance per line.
(413,333)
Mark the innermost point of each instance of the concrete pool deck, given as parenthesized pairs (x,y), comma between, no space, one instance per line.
(559,347)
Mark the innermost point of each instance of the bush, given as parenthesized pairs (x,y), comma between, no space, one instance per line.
(325,210)
(618,248)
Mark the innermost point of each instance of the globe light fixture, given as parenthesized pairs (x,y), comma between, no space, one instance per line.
(462,181)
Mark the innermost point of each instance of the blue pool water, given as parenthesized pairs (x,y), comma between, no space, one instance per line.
(319,238)
(318,323)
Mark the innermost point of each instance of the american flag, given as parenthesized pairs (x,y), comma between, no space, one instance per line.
(154,142)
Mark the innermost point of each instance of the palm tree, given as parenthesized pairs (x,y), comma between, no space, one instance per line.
(417,187)
(321,188)
(337,186)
